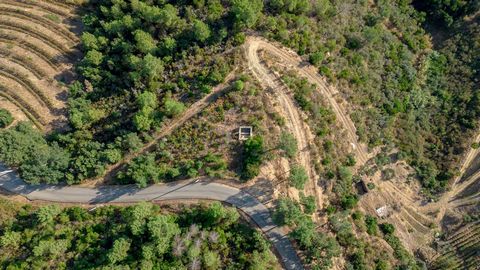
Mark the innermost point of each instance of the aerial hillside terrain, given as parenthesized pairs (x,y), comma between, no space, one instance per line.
(329,130)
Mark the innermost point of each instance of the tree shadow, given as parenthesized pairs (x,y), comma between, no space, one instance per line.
(107,194)
(262,190)
(284,250)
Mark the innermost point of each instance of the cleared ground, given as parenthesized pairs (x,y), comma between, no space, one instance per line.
(37,47)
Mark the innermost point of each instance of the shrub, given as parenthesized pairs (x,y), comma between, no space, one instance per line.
(238,85)
(6,118)
(350,161)
(371,223)
(171,107)
(201,31)
(387,228)
(371,186)
(309,204)
(349,201)
(388,174)
(253,155)
(316,58)
(298,176)
(287,212)
(142,171)
(288,144)
(357,215)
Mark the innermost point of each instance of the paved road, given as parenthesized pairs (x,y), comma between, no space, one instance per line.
(200,189)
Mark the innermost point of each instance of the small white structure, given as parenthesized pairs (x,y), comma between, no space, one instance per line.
(382,211)
(244,133)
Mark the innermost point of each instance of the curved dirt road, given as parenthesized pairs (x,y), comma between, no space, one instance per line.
(196,189)
(311,74)
(294,122)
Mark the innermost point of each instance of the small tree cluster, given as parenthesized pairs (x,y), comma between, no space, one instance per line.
(253,155)
(288,144)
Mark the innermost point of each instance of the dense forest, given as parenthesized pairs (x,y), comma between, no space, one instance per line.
(146,61)
(141,236)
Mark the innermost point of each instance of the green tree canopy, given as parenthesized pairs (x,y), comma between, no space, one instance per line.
(201,31)
(171,107)
(140,236)
(287,212)
(162,229)
(142,171)
(246,12)
(46,215)
(144,41)
(253,157)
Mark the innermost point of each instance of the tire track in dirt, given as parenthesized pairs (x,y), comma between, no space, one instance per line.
(470,200)
(294,122)
(458,188)
(311,74)
(448,200)
(469,157)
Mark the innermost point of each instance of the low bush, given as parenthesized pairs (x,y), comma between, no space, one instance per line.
(6,118)
(253,155)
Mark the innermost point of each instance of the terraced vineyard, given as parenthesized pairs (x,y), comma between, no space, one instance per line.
(461,250)
(37,47)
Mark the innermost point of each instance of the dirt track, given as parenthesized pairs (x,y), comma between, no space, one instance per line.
(311,73)
(169,127)
(294,122)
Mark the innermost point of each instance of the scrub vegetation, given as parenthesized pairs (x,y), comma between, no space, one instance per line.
(142,236)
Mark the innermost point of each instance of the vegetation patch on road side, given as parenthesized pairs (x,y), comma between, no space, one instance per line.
(208,144)
(141,236)
(359,248)
(6,118)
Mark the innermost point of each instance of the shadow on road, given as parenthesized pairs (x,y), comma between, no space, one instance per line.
(107,194)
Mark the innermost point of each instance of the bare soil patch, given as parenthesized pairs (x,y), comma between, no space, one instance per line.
(38,47)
